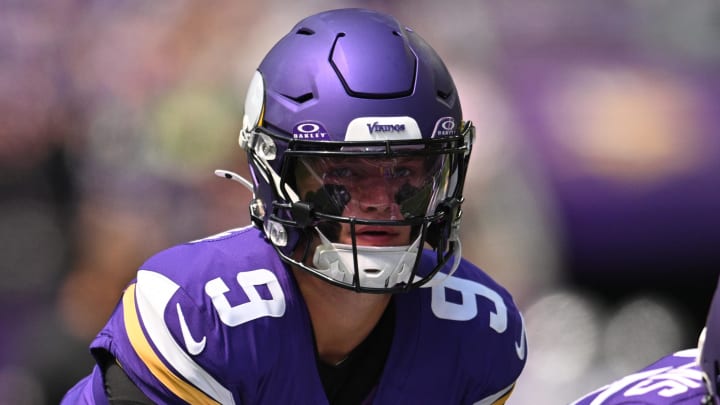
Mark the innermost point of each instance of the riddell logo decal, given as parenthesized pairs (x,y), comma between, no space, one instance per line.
(309,130)
(376,127)
(445,126)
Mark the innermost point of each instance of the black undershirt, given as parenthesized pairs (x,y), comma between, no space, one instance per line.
(347,383)
(350,382)
(119,389)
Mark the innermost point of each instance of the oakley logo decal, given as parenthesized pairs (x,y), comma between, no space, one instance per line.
(445,126)
(309,130)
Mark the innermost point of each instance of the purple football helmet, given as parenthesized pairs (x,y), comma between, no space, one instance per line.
(353,127)
(710,349)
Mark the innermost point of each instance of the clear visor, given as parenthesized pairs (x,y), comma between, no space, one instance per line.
(373,188)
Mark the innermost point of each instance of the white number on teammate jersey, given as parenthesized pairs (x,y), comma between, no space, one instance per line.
(256,307)
(467,309)
(669,384)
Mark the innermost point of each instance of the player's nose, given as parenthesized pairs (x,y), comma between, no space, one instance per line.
(379,202)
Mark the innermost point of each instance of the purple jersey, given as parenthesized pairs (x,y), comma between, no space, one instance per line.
(221,320)
(674,379)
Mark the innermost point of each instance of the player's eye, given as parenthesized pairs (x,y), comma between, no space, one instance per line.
(339,172)
(400,172)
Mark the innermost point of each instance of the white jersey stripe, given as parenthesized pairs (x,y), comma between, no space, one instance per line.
(153,293)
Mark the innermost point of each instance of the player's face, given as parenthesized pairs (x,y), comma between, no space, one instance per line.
(370,189)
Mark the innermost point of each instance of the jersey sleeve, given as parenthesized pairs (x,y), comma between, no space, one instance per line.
(504,355)
(157,336)
(473,335)
(206,322)
(492,330)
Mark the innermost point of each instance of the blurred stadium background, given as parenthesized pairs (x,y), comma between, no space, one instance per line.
(594,194)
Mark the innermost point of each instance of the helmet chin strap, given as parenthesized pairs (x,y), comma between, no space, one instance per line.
(378,266)
(440,277)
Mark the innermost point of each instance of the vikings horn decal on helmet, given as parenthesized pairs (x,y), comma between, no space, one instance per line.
(710,349)
(357,152)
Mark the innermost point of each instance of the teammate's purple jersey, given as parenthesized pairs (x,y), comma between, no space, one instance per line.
(674,379)
(221,320)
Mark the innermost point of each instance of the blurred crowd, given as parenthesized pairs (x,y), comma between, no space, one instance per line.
(594,188)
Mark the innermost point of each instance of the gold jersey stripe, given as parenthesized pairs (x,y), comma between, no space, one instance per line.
(504,398)
(142,347)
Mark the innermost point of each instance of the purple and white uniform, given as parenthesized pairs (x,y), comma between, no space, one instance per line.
(221,320)
(675,379)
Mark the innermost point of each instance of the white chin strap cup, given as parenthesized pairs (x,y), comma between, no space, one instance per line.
(379,266)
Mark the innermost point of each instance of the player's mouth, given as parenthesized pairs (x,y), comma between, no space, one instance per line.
(379,236)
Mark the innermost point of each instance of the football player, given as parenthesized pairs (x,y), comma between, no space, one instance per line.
(349,287)
(683,378)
